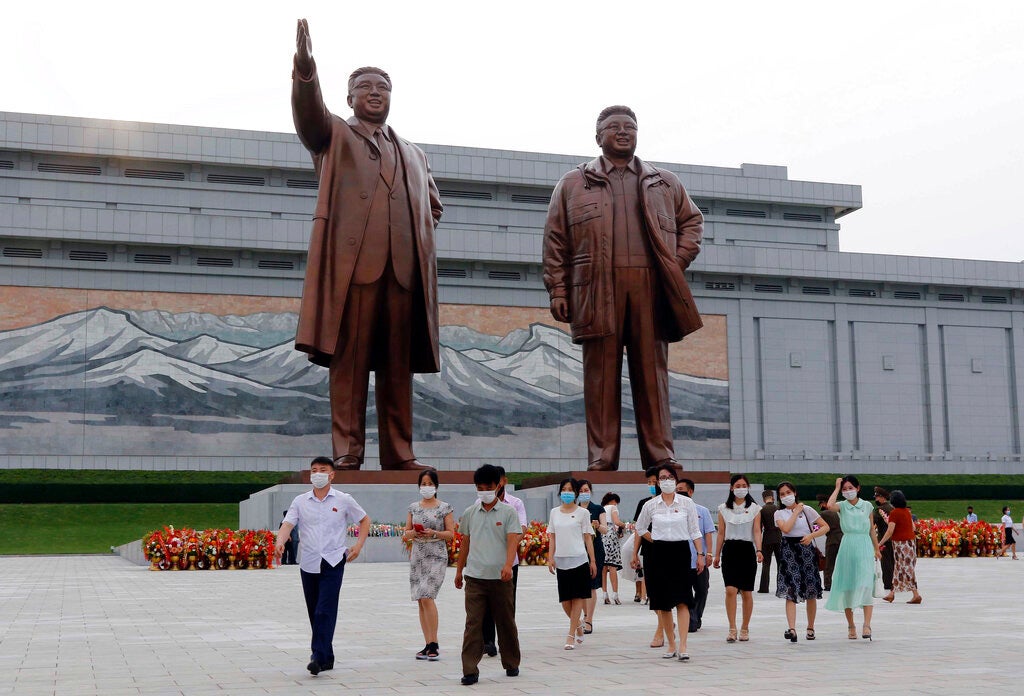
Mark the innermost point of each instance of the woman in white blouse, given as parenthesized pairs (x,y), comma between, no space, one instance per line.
(571,557)
(738,551)
(798,579)
(668,521)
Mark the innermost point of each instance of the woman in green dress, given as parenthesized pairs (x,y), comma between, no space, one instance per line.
(853,579)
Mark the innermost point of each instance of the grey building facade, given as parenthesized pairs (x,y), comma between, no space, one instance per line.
(829,361)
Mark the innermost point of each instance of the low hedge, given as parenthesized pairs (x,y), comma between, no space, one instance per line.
(128,492)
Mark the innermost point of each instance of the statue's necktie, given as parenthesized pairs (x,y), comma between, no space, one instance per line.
(387,157)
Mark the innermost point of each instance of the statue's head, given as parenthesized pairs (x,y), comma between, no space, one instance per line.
(616,131)
(369,94)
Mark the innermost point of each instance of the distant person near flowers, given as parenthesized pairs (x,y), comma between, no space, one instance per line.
(324,515)
(971,516)
(904,549)
(429,526)
(853,581)
(490,538)
(1008,541)
(490,645)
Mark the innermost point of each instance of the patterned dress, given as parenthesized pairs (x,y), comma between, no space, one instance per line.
(612,543)
(428,559)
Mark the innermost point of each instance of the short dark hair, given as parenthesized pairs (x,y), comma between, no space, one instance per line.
(898,499)
(668,468)
(321,460)
(608,498)
(651,471)
(584,482)
(429,473)
(768,494)
(880,492)
(366,69)
(788,485)
(970,507)
(689,483)
(613,110)
(486,475)
(500,468)
(850,478)
(571,481)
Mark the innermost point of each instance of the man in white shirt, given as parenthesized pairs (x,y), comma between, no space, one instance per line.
(971,516)
(702,579)
(490,646)
(324,515)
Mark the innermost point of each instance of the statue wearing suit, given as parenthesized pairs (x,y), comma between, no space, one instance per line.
(619,235)
(369,302)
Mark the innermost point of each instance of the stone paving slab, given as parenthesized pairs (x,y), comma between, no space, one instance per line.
(98,625)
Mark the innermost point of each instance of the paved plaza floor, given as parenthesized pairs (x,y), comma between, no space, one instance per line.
(87,625)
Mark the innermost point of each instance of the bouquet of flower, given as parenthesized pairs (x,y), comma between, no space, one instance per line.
(953,538)
(533,547)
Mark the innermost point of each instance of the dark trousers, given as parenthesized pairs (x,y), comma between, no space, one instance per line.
(376,329)
(701,585)
(497,597)
(321,591)
(888,565)
(647,360)
(489,620)
(769,551)
(288,557)
(831,553)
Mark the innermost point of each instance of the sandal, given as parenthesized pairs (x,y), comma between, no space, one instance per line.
(658,645)
(889,598)
(569,644)
(810,634)
(852,633)
(866,633)
(433,652)
(731,638)
(606,600)
(684,657)
(589,629)
(579,634)
(636,598)
(790,635)
(616,600)
(422,654)
(744,635)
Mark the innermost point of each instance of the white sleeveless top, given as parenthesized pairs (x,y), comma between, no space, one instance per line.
(739,522)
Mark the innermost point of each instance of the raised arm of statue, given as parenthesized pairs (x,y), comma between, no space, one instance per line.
(312,119)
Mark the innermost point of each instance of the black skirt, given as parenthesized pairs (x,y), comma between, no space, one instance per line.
(1008,534)
(573,583)
(667,574)
(739,564)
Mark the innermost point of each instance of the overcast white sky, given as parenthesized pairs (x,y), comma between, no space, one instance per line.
(921,103)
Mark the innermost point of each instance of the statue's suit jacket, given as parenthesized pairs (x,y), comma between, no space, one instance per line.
(348,167)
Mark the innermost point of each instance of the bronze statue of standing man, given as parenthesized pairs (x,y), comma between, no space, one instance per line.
(618,237)
(369,302)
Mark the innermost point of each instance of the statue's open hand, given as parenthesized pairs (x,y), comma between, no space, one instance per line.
(303,47)
(560,309)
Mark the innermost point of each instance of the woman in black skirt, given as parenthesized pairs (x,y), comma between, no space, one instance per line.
(667,522)
(571,557)
(798,578)
(738,552)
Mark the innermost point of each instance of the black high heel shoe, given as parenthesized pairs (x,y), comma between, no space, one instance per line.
(866,633)
(790,635)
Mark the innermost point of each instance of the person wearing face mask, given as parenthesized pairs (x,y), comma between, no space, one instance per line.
(490,645)
(853,580)
(599,521)
(904,547)
(323,515)
(1008,541)
(429,525)
(641,586)
(490,539)
(669,522)
(798,579)
(738,552)
(571,557)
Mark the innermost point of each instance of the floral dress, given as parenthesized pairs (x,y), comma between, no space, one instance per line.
(428,560)
(612,543)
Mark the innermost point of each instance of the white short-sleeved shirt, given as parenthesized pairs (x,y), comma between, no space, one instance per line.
(1008,521)
(517,505)
(569,528)
(800,527)
(675,521)
(739,521)
(323,525)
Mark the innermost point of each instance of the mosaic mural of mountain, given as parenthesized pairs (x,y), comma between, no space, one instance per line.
(115,374)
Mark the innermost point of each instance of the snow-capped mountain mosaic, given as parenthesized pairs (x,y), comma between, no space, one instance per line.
(116,382)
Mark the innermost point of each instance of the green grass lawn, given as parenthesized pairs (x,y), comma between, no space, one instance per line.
(987,510)
(83,528)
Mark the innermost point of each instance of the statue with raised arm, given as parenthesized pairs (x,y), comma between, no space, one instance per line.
(369,301)
(619,234)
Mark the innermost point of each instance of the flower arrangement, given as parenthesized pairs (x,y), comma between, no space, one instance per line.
(221,549)
(533,547)
(954,538)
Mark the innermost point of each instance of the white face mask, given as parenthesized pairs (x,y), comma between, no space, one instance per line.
(788,500)
(486,497)
(319,479)
(428,491)
(740,493)
(850,494)
(667,486)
